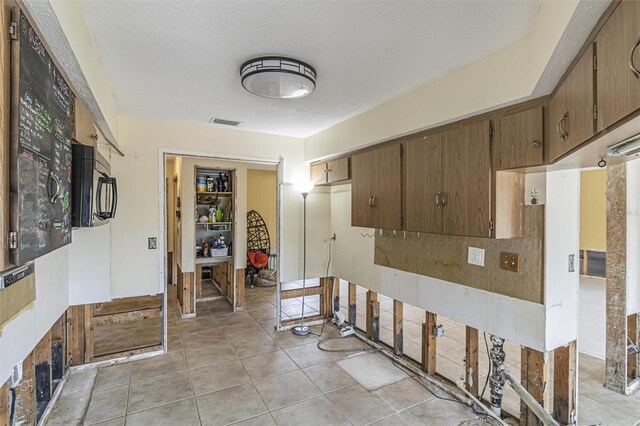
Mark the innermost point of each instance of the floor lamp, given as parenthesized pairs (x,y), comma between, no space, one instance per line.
(305,187)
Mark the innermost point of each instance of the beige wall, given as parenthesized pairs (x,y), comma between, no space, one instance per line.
(135,269)
(261,197)
(593,210)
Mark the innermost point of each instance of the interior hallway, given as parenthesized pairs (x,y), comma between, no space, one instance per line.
(232,368)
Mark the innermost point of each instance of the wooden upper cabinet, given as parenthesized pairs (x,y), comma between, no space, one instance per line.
(571,109)
(376,188)
(332,171)
(85,129)
(521,139)
(318,173)
(618,89)
(423,171)
(338,170)
(467,180)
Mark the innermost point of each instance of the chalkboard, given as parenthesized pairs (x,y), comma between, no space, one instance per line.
(40,149)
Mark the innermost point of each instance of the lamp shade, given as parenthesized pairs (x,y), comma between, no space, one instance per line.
(304,186)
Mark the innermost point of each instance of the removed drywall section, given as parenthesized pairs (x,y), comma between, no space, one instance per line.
(593,210)
(445,257)
(261,197)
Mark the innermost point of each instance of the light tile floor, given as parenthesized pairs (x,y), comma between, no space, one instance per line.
(233,368)
(597,405)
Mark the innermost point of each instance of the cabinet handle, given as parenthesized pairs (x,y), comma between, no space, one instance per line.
(632,65)
(438,200)
(535,144)
(444,199)
(560,127)
(372,201)
(55,190)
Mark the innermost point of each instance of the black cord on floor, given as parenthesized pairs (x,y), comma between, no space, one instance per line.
(343,350)
(326,275)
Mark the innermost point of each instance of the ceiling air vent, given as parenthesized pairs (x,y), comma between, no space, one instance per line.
(224,122)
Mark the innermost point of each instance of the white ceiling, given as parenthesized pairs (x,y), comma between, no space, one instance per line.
(179,59)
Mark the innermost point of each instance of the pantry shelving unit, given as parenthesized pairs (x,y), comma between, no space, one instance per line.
(219,261)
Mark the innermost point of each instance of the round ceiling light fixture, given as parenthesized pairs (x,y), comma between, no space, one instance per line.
(277,77)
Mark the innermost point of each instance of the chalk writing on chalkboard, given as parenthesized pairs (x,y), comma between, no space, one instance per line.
(40,151)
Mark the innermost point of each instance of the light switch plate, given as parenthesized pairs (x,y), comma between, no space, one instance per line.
(153,243)
(475,256)
(572,263)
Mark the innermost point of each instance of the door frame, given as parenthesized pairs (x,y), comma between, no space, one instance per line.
(278,164)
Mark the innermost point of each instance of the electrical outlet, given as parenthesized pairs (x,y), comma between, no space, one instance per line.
(510,261)
(475,256)
(572,263)
(153,243)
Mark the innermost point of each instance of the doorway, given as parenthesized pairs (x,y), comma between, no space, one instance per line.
(211,282)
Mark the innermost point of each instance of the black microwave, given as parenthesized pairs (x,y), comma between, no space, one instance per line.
(94,193)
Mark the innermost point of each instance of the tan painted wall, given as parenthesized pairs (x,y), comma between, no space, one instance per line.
(593,210)
(261,197)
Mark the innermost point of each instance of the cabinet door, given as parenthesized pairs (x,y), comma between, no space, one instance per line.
(521,139)
(318,173)
(376,188)
(423,178)
(618,91)
(571,109)
(467,180)
(338,170)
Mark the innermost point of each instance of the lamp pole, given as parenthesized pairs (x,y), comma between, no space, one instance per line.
(303,330)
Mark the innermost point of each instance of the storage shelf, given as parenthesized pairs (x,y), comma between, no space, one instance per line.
(224,194)
(214,223)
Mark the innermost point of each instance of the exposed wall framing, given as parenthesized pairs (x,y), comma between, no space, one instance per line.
(429,344)
(398,332)
(471,360)
(534,377)
(565,383)
(323,287)
(616,287)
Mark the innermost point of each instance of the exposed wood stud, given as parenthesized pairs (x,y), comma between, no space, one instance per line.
(125,317)
(471,360)
(565,383)
(75,335)
(352,304)
(326,285)
(238,302)
(372,296)
(616,284)
(88,334)
(398,333)
(534,378)
(429,344)
(632,359)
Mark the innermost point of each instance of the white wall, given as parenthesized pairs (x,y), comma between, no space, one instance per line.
(562,238)
(90,265)
(135,269)
(19,337)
